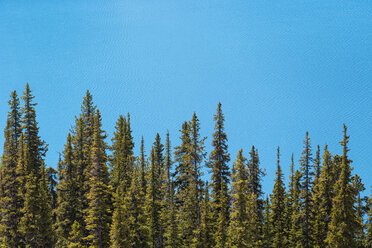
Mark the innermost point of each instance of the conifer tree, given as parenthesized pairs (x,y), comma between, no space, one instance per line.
(277,219)
(35,222)
(9,207)
(122,159)
(306,204)
(154,195)
(343,216)
(68,199)
(218,162)
(255,174)
(98,216)
(295,231)
(267,237)
(360,211)
(169,216)
(322,198)
(238,229)
(206,227)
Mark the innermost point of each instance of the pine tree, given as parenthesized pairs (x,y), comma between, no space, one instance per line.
(322,198)
(82,139)
(295,231)
(267,237)
(206,220)
(10,209)
(122,159)
(154,195)
(218,162)
(238,229)
(255,175)
(35,222)
(360,212)
(98,216)
(68,200)
(169,216)
(306,204)
(278,220)
(343,216)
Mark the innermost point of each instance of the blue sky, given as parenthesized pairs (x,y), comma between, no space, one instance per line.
(279,68)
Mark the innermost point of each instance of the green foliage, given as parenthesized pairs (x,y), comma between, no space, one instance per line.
(218,162)
(344,222)
(278,208)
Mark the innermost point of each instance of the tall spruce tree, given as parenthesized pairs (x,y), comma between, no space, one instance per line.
(322,198)
(68,198)
(122,159)
(239,235)
(35,223)
(154,195)
(169,215)
(98,213)
(9,207)
(278,208)
(255,175)
(218,162)
(343,225)
(206,227)
(306,203)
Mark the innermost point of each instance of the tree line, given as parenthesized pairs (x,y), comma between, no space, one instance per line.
(103,195)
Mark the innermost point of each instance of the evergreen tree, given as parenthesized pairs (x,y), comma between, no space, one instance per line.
(35,224)
(169,216)
(154,195)
(9,207)
(122,159)
(360,211)
(322,198)
(98,216)
(68,197)
(278,220)
(238,229)
(343,223)
(306,204)
(206,227)
(295,231)
(267,237)
(218,162)
(255,175)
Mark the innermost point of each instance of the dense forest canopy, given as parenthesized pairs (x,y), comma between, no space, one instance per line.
(102,194)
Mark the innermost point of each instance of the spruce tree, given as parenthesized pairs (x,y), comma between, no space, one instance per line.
(255,174)
(169,216)
(154,195)
(360,211)
(322,198)
(9,207)
(238,229)
(98,213)
(75,236)
(206,227)
(278,209)
(306,204)
(343,225)
(218,162)
(267,237)
(68,198)
(295,231)
(35,222)
(122,159)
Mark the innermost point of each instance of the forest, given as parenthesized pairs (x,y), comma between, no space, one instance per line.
(102,195)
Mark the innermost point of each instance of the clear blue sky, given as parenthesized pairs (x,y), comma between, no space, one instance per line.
(279,68)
